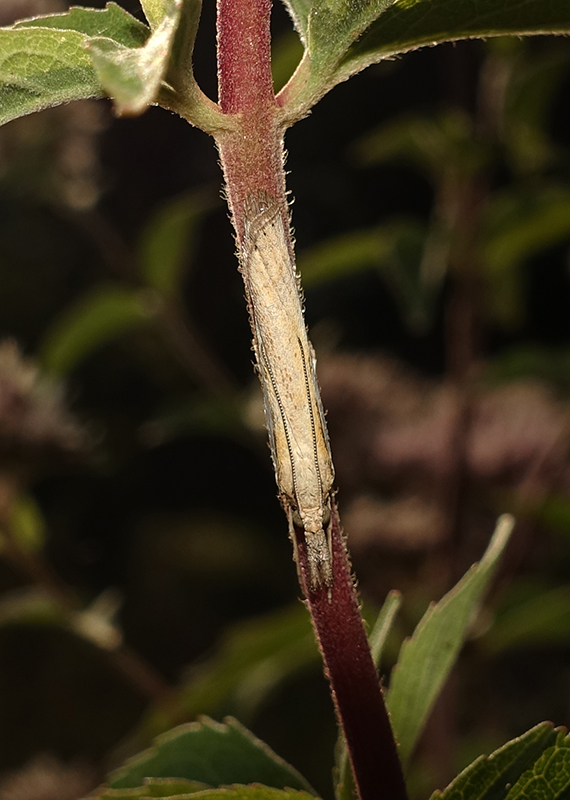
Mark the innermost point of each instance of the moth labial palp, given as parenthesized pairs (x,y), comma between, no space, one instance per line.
(287,370)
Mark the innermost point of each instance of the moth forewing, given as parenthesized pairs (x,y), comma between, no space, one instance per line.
(286,364)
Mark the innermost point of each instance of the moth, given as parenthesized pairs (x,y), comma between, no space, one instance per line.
(286,365)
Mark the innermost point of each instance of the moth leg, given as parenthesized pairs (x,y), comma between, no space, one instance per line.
(293,537)
(319,556)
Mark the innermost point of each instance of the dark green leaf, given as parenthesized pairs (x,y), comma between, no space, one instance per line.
(490,777)
(113,22)
(383,625)
(299,11)
(213,753)
(40,67)
(132,76)
(426,659)
(31,606)
(549,364)
(409,24)
(169,238)
(152,787)
(225,793)
(43,65)
(395,249)
(253,658)
(549,778)
(528,102)
(94,320)
(518,224)
(438,145)
(541,618)
(342,38)
(286,52)
(27,524)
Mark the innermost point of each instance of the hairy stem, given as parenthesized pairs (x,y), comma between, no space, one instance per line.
(251,153)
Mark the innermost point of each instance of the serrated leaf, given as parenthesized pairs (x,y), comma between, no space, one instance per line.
(490,777)
(426,659)
(409,24)
(334,25)
(152,787)
(94,320)
(213,753)
(343,38)
(549,778)
(169,238)
(223,793)
(132,76)
(43,65)
(252,659)
(41,68)
(112,22)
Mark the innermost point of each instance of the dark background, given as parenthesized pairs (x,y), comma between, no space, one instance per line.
(118,516)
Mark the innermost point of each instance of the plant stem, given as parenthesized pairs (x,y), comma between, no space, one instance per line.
(252,160)
(349,666)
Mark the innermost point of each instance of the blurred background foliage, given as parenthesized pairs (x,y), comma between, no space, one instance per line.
(145,571)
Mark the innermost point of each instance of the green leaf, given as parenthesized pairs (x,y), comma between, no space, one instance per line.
(133,76)
(225,793)
(113,22)
(409,24)
(437,146)
(518,224)
(426,659)
(548,364)
(42,65)
(490,777)
(528,102)
(253,658)
(155,11)
(41,68)
(27,523)
(395,249)
(299,11)
(549,778)
(94,320)
(31,606)
(343,38)
(152,787)
(286,52)
(213,753)
(541,618)
(383,625)
(169,238)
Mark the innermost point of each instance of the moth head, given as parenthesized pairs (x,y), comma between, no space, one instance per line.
(313,520)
